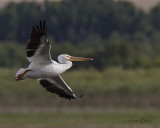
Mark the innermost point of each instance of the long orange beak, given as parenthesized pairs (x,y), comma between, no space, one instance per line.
(71,58)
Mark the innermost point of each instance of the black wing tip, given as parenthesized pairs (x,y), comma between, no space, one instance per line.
(38,31)
(74,97)
(78,97)
(40,28)
(43,26)
(42,21)
(51,87)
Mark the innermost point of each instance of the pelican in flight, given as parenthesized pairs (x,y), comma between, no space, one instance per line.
(43,68)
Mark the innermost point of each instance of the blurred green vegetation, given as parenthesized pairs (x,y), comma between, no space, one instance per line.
(112,87)
(114,53)
(113,33)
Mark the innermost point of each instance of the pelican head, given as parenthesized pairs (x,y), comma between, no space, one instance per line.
(65,57)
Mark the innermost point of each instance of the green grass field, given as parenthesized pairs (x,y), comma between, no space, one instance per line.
(113,98)
(91,80)
(78,120)
(139,87)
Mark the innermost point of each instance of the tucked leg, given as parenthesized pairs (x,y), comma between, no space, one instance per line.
(19,77)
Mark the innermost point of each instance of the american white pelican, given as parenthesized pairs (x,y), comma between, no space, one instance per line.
(43,68)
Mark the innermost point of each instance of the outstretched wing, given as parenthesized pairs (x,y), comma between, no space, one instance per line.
(38,48)
(58,86)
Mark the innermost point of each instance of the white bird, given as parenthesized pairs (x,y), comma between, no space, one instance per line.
(43,68)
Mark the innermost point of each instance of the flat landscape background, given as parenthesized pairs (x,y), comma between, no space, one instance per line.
(112,98)
(121,86)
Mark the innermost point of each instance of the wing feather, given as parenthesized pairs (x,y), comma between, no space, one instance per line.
(58,86)
(38,48)
(37,28)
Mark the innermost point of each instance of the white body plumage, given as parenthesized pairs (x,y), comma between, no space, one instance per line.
(50,70)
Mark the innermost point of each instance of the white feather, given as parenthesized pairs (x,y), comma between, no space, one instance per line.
(20,71)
